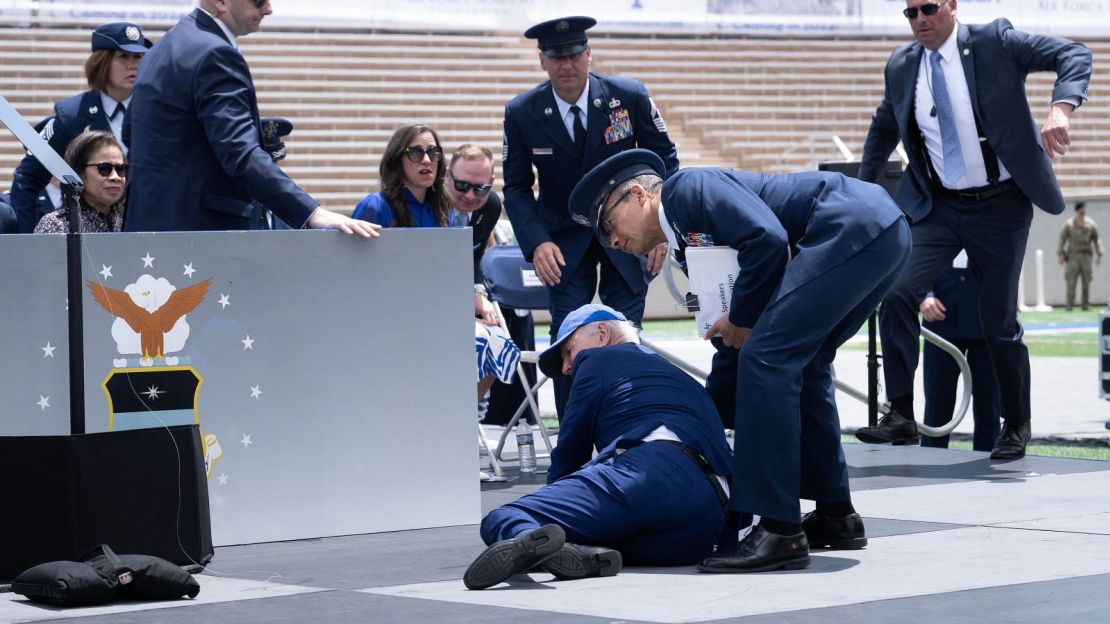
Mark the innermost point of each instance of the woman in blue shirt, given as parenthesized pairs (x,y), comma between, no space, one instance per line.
(411,177)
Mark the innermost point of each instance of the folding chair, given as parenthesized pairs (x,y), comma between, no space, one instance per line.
(511,281)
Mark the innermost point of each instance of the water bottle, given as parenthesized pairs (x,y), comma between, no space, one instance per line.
(525,446)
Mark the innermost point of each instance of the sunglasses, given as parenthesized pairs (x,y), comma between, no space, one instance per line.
(479,189)
(605,224)
(416,153)
(928,10)
(105,169)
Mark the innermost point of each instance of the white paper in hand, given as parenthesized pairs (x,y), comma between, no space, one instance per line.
(713,272)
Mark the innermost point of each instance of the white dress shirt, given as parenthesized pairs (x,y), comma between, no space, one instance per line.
(564,110)
(115,124)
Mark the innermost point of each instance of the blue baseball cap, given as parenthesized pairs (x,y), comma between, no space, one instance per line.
(589,194)
(123,36)
(561,37)
(551,360)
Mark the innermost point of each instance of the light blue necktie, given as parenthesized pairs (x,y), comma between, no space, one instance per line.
(954,168)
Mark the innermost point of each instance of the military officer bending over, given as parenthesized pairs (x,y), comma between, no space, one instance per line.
(656,491)
(846,242)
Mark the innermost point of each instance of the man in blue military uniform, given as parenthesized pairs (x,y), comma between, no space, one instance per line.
(197,161)
(846,242)
(656,491)
(110,73)
(951,310)
(956,100)
(563,127)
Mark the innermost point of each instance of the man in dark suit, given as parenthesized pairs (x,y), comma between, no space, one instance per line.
(951,311)
(846,242)
(197,161)
(654,494)
(563,127)
(956,99)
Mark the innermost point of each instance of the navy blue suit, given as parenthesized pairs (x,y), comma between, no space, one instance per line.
(996,60)
(195,140)
(8,222)
(959,292)
(846,242)
(620,117)
(72,116)
(649,501)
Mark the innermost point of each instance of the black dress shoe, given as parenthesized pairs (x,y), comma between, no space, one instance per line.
(834,533)
(513,556)
(574,561)
(892,427)
(1011,444)
(760,551)
(1108,424)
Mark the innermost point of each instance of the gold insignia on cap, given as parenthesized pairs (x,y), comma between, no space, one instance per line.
(562,26)
(132,33)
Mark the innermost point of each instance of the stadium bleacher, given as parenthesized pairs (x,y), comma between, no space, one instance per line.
(763,103)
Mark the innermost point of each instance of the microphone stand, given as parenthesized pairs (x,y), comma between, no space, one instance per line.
(71,191)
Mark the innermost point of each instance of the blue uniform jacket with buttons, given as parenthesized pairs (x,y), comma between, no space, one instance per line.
(621,116)
(817,219)
(72,116)
(619,395)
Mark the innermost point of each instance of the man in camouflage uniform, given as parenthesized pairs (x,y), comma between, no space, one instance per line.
(1078,241)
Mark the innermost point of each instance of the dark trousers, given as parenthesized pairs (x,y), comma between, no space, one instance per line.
(787,442)
(994,233)
(578,289)
(941,373)
(651,502)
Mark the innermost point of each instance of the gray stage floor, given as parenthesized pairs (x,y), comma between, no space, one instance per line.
(954,538)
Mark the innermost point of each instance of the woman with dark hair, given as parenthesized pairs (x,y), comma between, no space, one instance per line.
(411,180)
(110,72)
(97,157)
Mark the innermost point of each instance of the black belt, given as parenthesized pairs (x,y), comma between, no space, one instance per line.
(978,194)
(722,498)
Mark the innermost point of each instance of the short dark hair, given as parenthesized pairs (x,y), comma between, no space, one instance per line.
(1080,205)
(84,144)
(391,177)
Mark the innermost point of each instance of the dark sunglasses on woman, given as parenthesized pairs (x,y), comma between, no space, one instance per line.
(479,189)
(105,169)
(416,153)
(928,10)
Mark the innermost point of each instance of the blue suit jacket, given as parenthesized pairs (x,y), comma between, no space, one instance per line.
(536,135)
(619,394)
(195,139)
(818,219)
(996,59)
(72,116)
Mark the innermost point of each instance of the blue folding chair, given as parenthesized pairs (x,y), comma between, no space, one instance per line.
(512,282)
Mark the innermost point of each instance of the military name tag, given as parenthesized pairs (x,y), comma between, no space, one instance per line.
(542,151)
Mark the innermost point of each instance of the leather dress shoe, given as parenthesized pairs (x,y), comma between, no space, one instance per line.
(1011,444)
(574,561)
(1108,423)
(834,533)
(513,556)
(760,551)
(892,427)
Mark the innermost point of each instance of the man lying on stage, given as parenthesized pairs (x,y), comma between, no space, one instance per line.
(655,493)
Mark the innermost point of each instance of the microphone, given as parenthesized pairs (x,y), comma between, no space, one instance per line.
(933,112)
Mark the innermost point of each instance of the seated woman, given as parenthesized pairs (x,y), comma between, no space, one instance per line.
(97,158)
(412,195)
(411,179)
